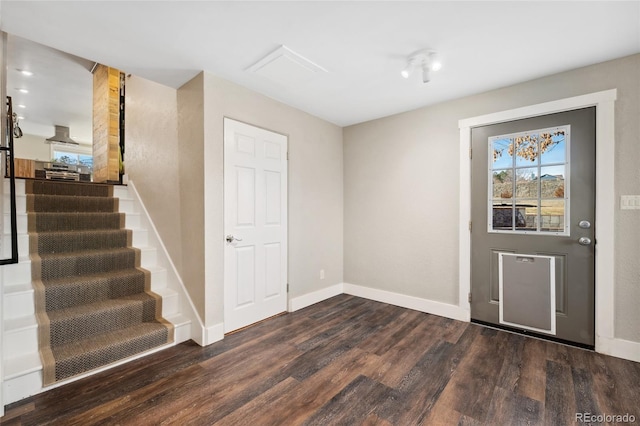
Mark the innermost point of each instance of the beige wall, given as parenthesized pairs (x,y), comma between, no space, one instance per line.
(401,188)
(151,162)
(190,153)
(315,188)
(181,184)
(33,147)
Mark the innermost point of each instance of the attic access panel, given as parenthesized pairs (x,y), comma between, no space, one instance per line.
(286,67)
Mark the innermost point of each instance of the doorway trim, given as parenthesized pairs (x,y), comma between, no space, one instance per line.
(604,102)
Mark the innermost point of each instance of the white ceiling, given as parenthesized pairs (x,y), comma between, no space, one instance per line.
(60,89)
(363,45)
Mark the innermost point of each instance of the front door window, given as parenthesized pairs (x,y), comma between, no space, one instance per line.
(528,182)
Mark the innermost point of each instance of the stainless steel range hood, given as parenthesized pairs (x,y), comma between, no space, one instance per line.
(61,136)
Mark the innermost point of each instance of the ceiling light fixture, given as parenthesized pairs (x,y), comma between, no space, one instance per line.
(22,90)
(25,72)
(22,106)
(426,60)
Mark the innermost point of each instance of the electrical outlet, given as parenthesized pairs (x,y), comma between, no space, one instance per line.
(630,202)
(322,274)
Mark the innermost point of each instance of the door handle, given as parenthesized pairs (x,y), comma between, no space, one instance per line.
(585,241)
(230,238)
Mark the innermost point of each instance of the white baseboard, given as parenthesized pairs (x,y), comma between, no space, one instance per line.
(309,299)
(619,348)
(410,302)
(211,334)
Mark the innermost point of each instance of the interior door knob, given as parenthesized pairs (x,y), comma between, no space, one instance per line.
(585,241)
(230,238)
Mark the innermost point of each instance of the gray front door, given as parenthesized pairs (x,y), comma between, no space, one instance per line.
(533,215)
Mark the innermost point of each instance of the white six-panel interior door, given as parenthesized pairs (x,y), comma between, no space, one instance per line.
(255,224)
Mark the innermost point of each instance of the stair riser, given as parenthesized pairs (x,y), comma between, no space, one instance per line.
(170,305)
(71,221)
(127,206)
(21,203)
(80,241)
(158,279)
(19,305)
(121,191)
(149,257)
(182,332)
(19,186)
(57,188)
(119,350)
(22,387)
(23,245)
(16,273)
(21,222)
(21,342)
(89,264)
(67,296)
(140,238)
(132,221)
(59,203)
(98,324)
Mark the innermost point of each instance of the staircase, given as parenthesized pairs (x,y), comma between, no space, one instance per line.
(133,311)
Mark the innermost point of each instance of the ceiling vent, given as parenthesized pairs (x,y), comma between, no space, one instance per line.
(286,67)
(61,136)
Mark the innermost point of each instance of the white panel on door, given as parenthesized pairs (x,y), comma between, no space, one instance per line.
(246,285)
(273,264)
(272,150)
(245,145)
(273,197)
(246,209)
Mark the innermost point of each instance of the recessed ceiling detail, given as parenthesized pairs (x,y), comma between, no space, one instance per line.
(286,67)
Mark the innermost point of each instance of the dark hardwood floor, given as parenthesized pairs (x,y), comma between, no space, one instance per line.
(349,361)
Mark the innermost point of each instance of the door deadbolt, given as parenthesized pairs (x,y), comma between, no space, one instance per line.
(584,224)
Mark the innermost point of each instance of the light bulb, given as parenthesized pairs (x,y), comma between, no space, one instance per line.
(407,71)
(436,66)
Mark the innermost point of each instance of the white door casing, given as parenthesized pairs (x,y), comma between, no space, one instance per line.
(255,224)
(605,206)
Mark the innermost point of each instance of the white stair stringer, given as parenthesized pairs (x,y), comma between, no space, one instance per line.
(21,364)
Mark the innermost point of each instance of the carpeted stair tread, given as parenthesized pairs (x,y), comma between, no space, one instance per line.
(70,203)
(85,355)
(84,321)
(58,265)
(74,221)
(73,241)
(68,188)
(67,292)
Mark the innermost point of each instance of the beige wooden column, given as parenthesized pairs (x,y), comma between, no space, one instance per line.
(106,124)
